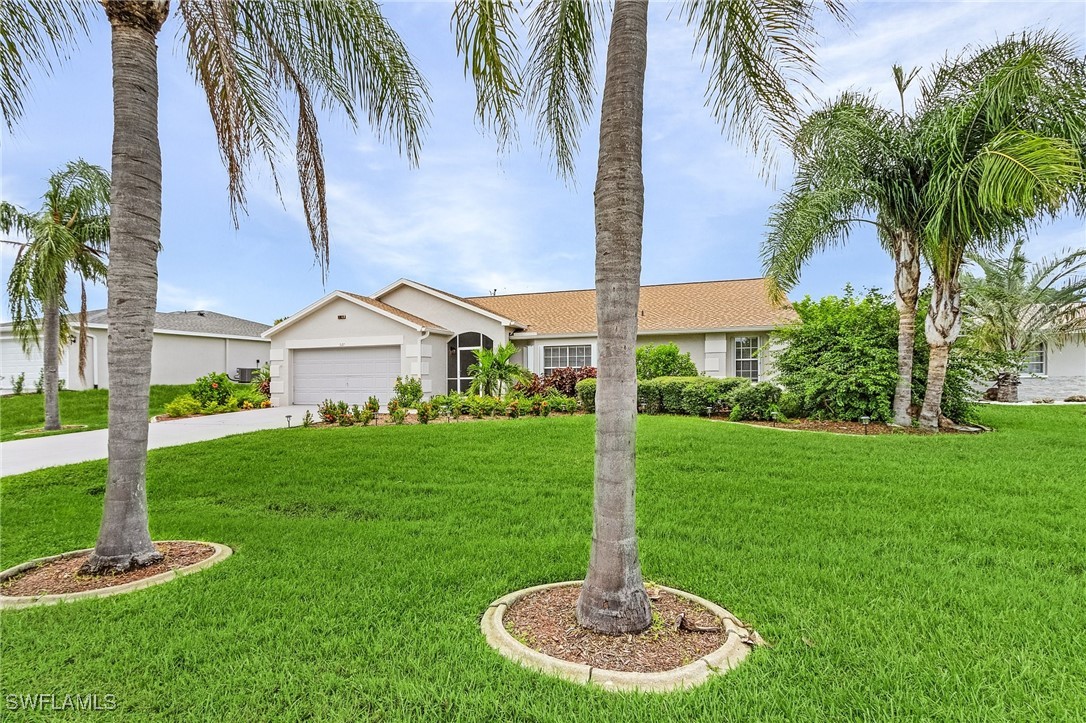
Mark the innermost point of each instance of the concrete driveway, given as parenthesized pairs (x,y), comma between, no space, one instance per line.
(25,455)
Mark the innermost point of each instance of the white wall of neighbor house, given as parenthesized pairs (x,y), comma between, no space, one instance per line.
(360,327)
(446,314)
(1065,373)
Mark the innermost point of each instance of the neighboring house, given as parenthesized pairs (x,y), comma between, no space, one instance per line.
(348,347)
(187,344)
(1055,373)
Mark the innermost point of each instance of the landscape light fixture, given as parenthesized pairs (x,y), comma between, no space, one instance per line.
(774,416)
(288,421)
(865,420)
(709,411)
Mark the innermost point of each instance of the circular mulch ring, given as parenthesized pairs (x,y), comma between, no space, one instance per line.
(55,579)
(690,639)
(43,430)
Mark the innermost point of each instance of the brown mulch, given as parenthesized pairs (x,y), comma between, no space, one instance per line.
(819,425)
(62,576)
(385,420)
(547,621)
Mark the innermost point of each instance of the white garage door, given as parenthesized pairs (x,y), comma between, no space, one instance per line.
(348,375)
(13,362)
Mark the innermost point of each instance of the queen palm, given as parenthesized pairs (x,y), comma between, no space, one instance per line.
(753,50)
(1005,133)
(254,61)
(856,163)
(1014,307)
(68,235)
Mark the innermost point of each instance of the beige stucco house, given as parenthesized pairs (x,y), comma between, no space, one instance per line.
(186,345)
(349,347)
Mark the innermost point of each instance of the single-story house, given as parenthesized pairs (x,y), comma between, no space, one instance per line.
(186,345)
(348,347)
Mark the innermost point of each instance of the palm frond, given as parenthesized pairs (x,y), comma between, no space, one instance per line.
(486,38)
(756,51)
(256,59)
(35,34)
(559,76)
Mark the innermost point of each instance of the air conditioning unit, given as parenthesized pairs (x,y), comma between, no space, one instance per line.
(245,375)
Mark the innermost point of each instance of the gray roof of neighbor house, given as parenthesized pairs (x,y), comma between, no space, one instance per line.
(194,322)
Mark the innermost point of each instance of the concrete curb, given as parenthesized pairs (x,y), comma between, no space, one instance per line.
(719,661)
(17,602)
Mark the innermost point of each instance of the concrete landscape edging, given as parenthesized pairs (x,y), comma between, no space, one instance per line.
(24,601)
(720,661)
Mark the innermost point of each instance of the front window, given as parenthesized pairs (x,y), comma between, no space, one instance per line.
(560,357)
(746,357)
(462,350)
(1035,360)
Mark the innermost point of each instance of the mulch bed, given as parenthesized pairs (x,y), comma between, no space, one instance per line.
(547,621)
(62,576)
(819,425)
(385,420)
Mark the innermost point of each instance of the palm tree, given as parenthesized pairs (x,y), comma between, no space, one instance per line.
(1014,307)
(856,164)
(69,234)
(254,61)
(1005,132)
(493,373)
(753,50)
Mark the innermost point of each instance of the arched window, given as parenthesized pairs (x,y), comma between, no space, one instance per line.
(462,348)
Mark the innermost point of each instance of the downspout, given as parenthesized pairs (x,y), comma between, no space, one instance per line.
(424,337)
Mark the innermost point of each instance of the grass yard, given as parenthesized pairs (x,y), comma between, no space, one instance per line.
(89,407)
(896,577)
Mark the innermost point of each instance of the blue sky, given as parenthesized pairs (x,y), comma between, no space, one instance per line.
(468,220)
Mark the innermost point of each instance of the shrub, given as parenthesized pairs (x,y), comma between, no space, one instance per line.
(39,384)
(586,395)
(398,415)
(246,393)
(213,388)
(565,380)
(366,417)
(532,385)
(840,360)
(331,412)
(18,382)
(687,395)
(261,383)
(424,412)
(664,360)
(345,420)
(307,420)
(393,406)
(512,409)
(408,391)
(373,404)
(183,406)
(535,405)
(544,408)
(757,401)
(565,405)
(791,405)
(266,404)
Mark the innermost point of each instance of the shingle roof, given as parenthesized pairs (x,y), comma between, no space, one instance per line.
(417,320)
(196,322)
(739,304)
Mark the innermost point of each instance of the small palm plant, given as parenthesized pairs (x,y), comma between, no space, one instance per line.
(1016,307)
(68,235)
(493,372)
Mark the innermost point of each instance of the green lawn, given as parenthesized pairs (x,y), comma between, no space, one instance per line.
(905,577)
(89,407)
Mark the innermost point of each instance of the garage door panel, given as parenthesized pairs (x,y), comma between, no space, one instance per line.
(351,375)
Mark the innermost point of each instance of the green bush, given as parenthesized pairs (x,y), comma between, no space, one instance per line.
(791,405)
(183,406)
(212,389)
(664,360)
(408,391)
(586,395)
(687,395)
(247,393)
(757,401)
(840,360)
(17,383)
(307,420)
(425,412)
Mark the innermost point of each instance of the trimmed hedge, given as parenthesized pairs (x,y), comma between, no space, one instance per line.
(757,401)
(687,395)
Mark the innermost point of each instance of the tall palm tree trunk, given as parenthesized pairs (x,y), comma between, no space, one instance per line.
(124,539)
(613,599)
(941,327)
(51,357)
(906,293)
